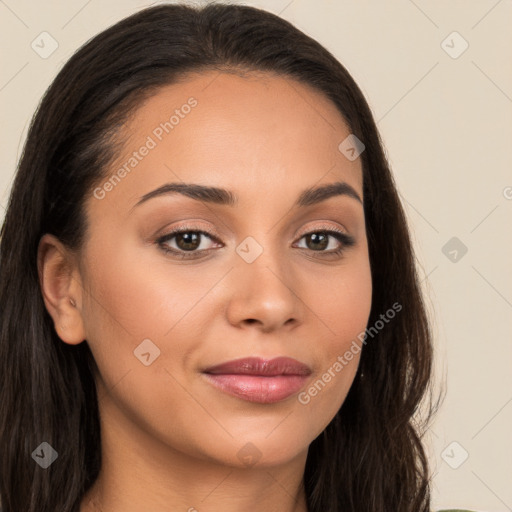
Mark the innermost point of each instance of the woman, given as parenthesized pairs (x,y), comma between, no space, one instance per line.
(209,294)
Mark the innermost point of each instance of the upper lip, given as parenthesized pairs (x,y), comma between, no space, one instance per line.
(259,366)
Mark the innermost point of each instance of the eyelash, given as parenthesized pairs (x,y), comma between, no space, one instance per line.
(345,240)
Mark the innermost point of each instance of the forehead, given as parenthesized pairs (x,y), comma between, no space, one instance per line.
(257,132)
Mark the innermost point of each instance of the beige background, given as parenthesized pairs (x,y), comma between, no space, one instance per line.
(447,126)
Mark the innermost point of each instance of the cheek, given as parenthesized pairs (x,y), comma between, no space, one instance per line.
(134,297)
(141,299)
(343,301)
(343,304)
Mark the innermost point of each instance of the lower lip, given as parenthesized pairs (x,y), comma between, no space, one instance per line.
(256,388)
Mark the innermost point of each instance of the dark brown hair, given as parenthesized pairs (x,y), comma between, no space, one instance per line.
(370,457)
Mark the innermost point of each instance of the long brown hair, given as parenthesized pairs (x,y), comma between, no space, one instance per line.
(370,457)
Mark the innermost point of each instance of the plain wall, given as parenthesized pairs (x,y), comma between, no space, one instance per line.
(446,121)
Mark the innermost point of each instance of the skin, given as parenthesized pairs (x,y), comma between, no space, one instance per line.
(170,439)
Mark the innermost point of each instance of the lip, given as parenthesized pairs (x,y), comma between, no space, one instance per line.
(259,380)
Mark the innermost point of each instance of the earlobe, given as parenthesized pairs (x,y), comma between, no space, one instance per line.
(61,288)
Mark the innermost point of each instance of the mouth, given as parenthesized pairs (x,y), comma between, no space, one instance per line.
(258,380)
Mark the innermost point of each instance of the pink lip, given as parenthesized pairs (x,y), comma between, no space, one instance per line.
(259,380)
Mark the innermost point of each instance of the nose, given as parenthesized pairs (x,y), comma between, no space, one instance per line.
(263,295)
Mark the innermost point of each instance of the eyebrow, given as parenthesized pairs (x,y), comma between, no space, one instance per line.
(221,196)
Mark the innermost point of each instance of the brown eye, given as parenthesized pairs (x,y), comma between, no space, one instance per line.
(185,240)
(188,240)
(318,241)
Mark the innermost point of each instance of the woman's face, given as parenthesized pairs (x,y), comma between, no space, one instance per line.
(265,281)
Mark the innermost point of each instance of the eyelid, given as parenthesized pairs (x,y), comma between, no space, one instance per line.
(326,227)
(198,228)
(191,225)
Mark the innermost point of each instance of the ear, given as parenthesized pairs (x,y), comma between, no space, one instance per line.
(61,287)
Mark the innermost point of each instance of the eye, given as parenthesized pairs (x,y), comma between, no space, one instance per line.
(187,240)
(190,242)
(319,241)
